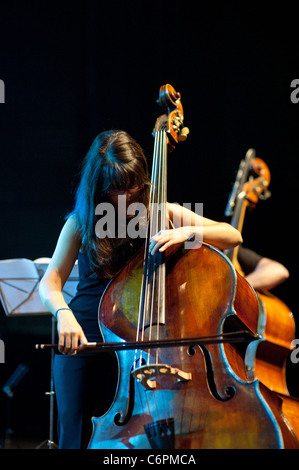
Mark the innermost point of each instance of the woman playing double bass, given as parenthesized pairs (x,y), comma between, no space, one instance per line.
(114,166)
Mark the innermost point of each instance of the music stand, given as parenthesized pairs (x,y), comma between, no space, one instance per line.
(19,284)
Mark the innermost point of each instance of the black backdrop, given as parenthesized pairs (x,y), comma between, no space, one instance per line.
(73,69)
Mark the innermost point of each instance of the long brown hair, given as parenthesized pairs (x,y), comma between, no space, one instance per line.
(114,161)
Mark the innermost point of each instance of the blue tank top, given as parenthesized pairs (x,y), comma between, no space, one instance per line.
(85,304)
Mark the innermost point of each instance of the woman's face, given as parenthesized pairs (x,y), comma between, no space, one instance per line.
(131,194)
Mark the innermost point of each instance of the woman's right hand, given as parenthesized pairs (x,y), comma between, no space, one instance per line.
(71,337)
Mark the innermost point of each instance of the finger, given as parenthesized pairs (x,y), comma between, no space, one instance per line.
(177,238)
(67,343)
(82,342)
(158,235)
(166,245)
(74,344)
(154,248)
(153,242)
(61,342)
(158,244)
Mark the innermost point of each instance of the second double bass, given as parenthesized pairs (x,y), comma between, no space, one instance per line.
(165,316)
(267,360)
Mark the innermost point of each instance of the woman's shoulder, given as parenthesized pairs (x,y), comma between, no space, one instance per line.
(72,224)
(70,232)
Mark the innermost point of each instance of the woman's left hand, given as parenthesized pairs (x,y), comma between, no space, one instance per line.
(165,238)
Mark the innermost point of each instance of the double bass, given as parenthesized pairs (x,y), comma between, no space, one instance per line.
(276,322)
(166,318)
(265,359)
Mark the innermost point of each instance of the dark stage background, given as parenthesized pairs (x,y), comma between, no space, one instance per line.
(73,69)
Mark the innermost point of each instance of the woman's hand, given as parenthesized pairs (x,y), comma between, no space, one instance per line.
(165,238)
(71,337)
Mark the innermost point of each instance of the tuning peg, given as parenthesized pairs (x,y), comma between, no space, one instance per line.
(183,134)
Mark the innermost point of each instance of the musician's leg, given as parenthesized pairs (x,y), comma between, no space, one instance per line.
(84,387)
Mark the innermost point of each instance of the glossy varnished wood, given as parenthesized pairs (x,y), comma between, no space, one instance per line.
(210,410)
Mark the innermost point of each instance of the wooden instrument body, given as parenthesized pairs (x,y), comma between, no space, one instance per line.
(210,408)
(277,326)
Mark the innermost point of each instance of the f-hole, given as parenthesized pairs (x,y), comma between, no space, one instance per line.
(229,391)
(118,421)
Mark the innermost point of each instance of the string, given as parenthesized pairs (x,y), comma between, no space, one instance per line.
(152,300)
(148,271)
(162,226)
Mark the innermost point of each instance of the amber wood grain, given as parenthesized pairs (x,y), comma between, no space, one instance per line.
(210,409)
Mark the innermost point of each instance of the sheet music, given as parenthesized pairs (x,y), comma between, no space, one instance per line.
(19,283)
